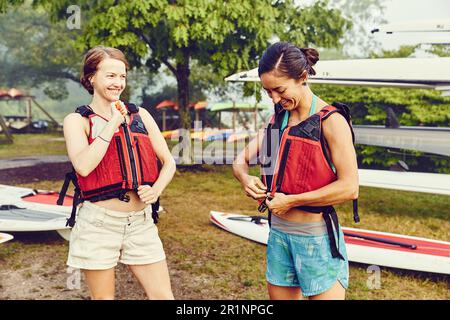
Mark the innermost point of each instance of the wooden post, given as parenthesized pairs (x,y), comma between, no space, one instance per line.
(256,117)
(234,116)
(29,116)
(220,117)
(5,129)
(46,113)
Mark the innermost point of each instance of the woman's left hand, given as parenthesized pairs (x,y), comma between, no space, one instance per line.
(280,204)
(148,194)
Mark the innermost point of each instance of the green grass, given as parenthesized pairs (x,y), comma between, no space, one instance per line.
(54,144)
(33,145)
(235,267)
(206,262)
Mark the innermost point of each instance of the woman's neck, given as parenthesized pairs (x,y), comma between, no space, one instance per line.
(100,105)
(304,106)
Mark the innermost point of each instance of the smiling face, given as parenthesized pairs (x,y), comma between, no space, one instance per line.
(109,80)
(281,89)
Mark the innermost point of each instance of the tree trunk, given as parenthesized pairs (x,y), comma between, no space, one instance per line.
(183,90)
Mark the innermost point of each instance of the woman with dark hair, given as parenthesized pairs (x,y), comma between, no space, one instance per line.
(116,150)
(308,164)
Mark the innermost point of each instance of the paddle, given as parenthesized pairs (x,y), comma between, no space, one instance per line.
(257,220)
(395,243)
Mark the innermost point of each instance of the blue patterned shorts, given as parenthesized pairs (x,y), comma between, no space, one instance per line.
(305,261)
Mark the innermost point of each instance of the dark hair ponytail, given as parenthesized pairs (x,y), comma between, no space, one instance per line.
(289,60)
(312,56)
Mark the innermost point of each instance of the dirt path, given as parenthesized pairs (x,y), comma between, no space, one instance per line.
(32,266)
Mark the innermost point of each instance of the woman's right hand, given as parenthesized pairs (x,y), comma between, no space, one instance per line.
(118,111)
(254,187)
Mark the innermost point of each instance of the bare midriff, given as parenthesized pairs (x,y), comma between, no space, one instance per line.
(300,216)
(135,203)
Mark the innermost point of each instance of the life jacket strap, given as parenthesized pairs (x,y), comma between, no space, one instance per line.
(155,208)
(76,201)
(63,192)
(331,219)
(70,177)
(355,211)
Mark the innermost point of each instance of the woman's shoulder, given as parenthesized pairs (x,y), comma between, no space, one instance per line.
(75,120)
(145,115)
(336,127)
(73,116)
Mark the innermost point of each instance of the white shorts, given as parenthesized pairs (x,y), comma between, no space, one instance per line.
(103,237)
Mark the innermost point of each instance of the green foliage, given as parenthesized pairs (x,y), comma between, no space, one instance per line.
(227,37)
(402,52)
(440,50)
(36,53)
(364,14)
(413,107)
(369,104)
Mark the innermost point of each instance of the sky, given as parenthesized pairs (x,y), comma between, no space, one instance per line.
(404,11)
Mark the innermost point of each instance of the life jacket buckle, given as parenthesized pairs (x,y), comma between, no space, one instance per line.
(124,197)
(263,206)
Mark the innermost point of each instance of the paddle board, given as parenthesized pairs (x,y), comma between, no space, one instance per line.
(363,246)
(5,237)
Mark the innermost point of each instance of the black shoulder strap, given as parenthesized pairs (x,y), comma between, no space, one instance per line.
(85,111)
(344,110)
(132,108)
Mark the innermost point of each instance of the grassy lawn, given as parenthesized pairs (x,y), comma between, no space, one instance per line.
(208,263)
(53,144)
(33,145)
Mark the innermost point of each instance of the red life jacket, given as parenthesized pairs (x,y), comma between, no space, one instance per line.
(130,161)
(302,162)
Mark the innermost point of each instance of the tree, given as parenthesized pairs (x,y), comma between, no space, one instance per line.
(229,36)
(37,53)
(365,15)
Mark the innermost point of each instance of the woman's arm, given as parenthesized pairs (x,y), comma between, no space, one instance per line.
(253,186)
(163,153)
(85,157)
(338,135)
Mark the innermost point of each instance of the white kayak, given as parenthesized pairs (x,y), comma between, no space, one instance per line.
(363,246)
(27,210)
(436,183)
(5,237)
(41,200)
